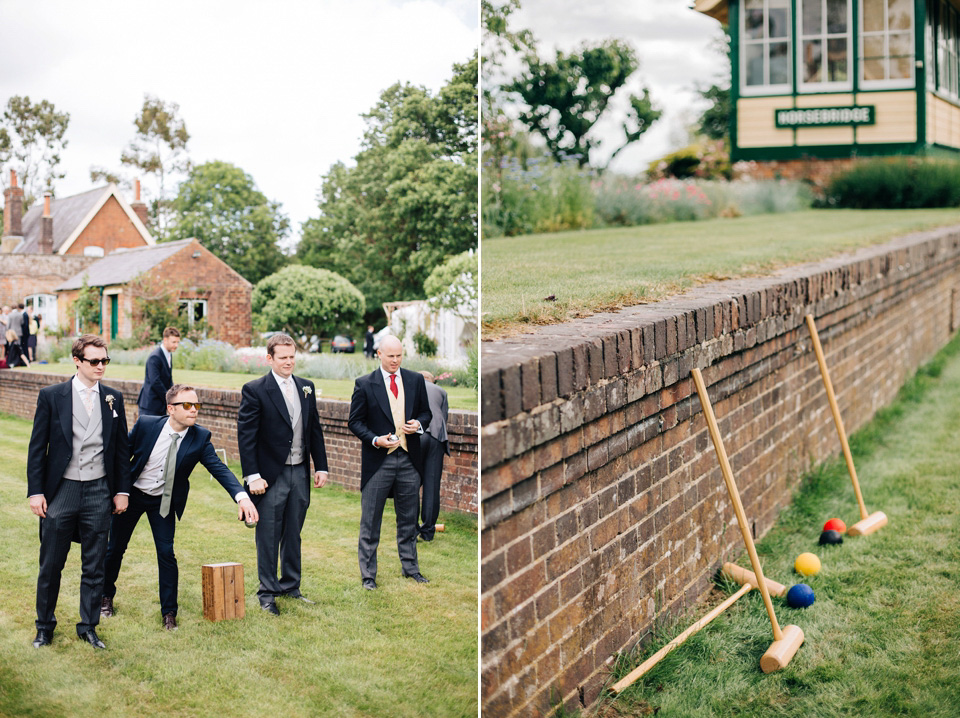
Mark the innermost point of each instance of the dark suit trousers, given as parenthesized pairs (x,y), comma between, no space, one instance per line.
(82,506)
(163,529)
(282,510)
(396,472)
(433,452)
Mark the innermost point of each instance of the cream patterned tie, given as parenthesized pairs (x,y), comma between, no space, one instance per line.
(290,398)
(87,396)
(169,469)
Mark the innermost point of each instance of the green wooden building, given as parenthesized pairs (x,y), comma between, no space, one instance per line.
(841,78)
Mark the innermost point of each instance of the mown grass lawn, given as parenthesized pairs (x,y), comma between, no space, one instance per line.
(404,650)
(883,637)
(459,397)
(608,268)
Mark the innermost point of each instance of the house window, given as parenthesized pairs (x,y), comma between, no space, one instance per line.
(93,251)
(44,305)
(886,43)
(824,52)
(195,310)
(765,49)
(947,50)
(930,46)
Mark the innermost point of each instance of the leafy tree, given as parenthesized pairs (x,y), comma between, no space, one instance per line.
(411,199)
(155,305)
(454,285)
(85,309)
(715,120)
(31,140)
(303,300)
(566,97)
(159,148)
(220,205)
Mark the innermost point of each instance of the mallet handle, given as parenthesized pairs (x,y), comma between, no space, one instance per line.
(735,499)
(634,675)
(831,397)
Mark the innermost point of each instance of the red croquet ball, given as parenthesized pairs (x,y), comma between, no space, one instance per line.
(835,525)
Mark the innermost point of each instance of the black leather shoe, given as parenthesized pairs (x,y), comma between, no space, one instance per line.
(418,577)
(170,621)
(92,638)
(370,584)
(106,606)
(44,638)
(271,608)
(301,597)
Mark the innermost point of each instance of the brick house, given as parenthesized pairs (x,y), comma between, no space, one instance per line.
(205,287)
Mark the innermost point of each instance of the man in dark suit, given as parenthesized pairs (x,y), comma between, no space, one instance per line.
(78,467)
(434,446)
(163,445)
(158,375)
(278,433)
(389,416)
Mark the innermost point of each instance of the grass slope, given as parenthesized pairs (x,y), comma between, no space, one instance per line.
(404,650)
(459,397)
(882,637)
(608,268)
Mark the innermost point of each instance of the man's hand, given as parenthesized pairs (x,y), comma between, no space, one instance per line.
(319,479)
(384,443)
(38,504)
(120,503)
(411,427)
(246,511)
(257,486)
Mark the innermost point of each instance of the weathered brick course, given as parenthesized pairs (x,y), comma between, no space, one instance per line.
(583,524)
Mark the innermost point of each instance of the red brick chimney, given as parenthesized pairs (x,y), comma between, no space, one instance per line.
(13,208)
(46,227)
(139,208)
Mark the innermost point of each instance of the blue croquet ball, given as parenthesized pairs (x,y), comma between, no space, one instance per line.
(830,536)
(800,596)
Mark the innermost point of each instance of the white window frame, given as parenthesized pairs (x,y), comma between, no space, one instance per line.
(887,84)
(189,304)
(824,37)
(48,309)
(947,81)
(758,90)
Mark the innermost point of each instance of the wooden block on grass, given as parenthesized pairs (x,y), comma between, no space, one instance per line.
(223,591)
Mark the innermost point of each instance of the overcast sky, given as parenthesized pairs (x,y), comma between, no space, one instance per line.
(275,87)
(673,44)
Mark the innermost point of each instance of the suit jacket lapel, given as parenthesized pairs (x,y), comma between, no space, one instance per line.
(276,396)
(407,397)
(380,391)
(302,398)
(65,407)
(186,446)
(106,418)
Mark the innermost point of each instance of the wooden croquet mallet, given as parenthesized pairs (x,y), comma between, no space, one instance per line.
(868,523)
(785,641)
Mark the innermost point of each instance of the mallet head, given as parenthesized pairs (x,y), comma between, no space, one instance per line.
(780,652)
(873,522)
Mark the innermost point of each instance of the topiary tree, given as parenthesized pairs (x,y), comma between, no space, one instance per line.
(454,285)
(302,300)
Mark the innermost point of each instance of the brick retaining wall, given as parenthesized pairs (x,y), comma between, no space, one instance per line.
(603,507)
(458,487)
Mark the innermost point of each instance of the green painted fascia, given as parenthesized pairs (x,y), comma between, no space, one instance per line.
(734,19)
(825,152)
(920,73)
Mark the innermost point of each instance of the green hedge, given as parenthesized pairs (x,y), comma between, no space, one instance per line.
(902,183)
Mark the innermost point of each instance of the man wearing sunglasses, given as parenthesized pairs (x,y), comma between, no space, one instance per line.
(166,449)
(78,468)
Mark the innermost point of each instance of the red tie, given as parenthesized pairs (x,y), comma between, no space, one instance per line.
(393,386)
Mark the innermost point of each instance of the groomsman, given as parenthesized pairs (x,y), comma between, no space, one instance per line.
(434,446)
(78,468)
(166,449)
(278,433)
(389,412)
(158,375)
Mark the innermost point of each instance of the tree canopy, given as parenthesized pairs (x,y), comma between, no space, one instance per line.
(564,98)
(305,301)
(220,205)
(455,285)
(31,140)
(410,201)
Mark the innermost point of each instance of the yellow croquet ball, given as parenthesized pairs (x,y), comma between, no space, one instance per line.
(807,564)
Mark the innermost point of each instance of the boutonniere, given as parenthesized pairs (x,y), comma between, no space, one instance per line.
(109,399)
(307,391)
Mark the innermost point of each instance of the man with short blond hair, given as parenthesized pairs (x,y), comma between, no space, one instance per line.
(78,467)
(278,433)
(166,449)
(158,375)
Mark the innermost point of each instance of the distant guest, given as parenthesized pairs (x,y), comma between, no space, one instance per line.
(158,376)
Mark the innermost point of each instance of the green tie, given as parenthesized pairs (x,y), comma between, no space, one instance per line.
(169,469)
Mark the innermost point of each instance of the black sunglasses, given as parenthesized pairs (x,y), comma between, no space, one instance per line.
(96,362)
(188,405)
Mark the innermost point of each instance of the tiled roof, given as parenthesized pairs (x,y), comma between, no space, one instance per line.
(67,214)
(123,265)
